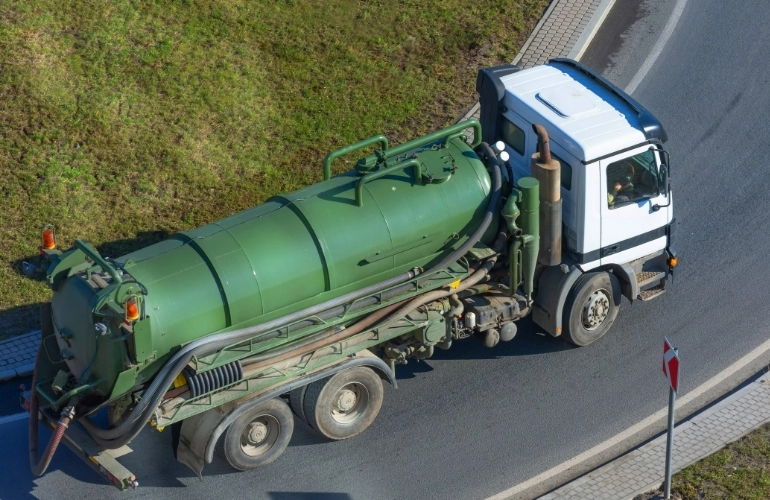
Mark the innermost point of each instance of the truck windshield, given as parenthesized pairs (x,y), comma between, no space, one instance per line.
(632,179)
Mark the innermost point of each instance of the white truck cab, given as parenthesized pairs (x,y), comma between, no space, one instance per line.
(617,211)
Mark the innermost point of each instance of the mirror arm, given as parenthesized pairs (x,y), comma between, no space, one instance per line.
(666,162)
(657,207)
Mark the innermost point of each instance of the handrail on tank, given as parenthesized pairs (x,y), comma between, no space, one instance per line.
(349,149)
(449,133)
(416,174)
(94,255)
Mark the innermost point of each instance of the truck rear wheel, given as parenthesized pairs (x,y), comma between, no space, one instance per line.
(259,436)
(591,308)
(297,402)
(344,404)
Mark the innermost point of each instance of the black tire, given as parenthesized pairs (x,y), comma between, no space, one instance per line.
(591,308)
(344,404)
(297,402)
(259,436)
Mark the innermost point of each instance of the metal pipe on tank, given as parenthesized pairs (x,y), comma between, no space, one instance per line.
(529,242)
(547,170)
(542,143)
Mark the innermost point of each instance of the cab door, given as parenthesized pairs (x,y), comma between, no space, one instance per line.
(632,222)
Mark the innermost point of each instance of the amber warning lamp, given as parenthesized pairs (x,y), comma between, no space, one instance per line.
(132,309)
(48,237)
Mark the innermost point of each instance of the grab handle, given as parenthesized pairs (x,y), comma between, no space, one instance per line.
(98,259)
(447,134)
(416,174)
(349,149)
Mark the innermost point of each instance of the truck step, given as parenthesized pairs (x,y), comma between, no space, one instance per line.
(651,293)
(645,278)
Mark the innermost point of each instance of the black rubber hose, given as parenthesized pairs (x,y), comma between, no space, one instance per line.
(467,283)
(213,343)
(493,209)
(127,430)
(102,435)
(312,338)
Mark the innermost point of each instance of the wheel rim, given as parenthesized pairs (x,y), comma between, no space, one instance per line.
(596,310)
(349,403)
(260,435)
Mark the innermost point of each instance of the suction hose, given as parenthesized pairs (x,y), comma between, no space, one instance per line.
(127,430)
(401,309)
(39,466)
(467,283)
(493,208)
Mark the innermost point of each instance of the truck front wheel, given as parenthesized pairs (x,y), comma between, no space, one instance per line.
(591,308)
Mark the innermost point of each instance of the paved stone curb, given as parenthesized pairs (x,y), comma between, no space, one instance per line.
(17,355)
(643,469)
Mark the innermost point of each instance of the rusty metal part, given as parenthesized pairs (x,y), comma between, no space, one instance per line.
(322,342)
(550,233)
(542,143)
(38,467)
(547,170)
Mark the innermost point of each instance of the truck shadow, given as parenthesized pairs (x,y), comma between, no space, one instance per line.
(529,341)
(114,248)
(18,320)
(295,495)
(24,318)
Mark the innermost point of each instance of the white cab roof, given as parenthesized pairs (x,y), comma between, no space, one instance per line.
(579,114)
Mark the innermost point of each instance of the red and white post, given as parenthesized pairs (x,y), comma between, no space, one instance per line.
(671,370)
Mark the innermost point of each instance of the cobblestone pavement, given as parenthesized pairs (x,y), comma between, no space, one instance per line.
(17,355)
(643,469)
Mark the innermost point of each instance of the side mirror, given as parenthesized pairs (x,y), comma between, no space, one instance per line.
(665,179)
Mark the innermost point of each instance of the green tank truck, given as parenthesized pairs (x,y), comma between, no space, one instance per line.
(305,303)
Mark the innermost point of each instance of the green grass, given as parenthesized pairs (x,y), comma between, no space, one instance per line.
(739,471)
(123,121)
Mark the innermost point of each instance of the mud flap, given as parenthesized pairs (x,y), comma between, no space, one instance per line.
(553,286)
(194,438)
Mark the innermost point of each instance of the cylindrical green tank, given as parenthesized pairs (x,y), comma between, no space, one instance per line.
(293,251)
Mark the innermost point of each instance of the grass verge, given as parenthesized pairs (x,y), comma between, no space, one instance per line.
(739,471)
(124,121)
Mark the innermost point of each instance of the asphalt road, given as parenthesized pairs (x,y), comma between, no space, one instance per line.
(473,421)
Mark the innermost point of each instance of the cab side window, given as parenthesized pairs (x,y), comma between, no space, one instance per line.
(566,172)
(632,179)
(511,135)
